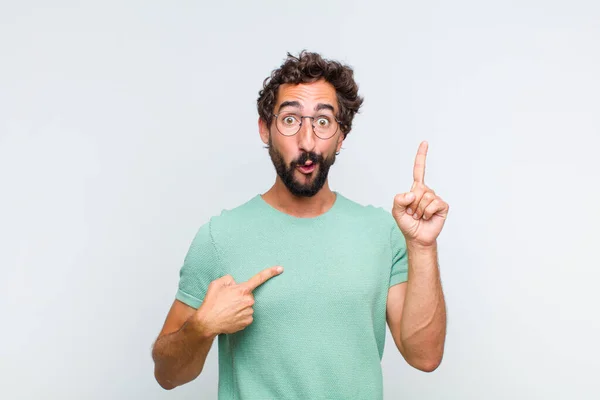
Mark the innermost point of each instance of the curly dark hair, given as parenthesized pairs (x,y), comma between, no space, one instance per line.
(309,67)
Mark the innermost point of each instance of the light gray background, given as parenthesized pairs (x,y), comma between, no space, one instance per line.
(125,125)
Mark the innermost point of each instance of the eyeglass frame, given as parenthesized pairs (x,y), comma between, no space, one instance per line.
(312,124)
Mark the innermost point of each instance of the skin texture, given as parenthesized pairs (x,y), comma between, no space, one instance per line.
(415,309)
(180,351)
(288,149)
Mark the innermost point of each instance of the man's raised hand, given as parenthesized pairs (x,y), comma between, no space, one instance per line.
(420,213)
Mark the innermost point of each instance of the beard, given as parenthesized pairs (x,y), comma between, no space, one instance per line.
(316,179)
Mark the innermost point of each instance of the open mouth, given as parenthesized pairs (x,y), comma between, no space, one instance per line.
(307,169)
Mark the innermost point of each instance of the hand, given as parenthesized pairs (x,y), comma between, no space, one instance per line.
(420,213)
(227,306)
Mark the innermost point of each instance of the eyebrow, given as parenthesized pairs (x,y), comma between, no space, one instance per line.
(290,104)
(324,106)
(319,107)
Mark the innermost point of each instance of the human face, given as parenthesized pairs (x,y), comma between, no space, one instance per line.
(302,161)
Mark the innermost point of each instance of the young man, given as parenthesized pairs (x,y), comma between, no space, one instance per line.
(298,283)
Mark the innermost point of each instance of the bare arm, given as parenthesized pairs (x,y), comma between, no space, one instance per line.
(416,310)
(180,351)
(417,318)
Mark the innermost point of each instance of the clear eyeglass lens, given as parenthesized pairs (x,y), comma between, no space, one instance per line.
(325,126)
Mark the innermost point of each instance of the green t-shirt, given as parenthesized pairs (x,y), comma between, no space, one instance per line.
(319,327)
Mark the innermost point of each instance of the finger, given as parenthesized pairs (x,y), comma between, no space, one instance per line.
(261,277)
(419,169)
(247,312)
(412,207)
(249,299)
(401,201)
(227,280)
(433,208)
(426,200)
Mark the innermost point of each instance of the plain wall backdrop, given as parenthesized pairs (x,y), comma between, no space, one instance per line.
(125,125)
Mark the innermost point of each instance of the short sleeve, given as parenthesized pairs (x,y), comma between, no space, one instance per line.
(399,272)
(200,268)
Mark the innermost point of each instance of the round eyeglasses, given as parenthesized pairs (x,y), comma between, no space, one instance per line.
(289,123)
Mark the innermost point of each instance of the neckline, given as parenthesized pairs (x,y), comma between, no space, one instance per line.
(281,214)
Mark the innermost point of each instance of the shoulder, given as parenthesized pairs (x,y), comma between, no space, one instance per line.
(379,220)
(231,218)
(219,227)
(368,212)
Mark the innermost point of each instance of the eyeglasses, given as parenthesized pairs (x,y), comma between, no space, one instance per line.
(289,123)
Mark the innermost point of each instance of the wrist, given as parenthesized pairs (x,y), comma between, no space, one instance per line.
(415,246)
(202,328)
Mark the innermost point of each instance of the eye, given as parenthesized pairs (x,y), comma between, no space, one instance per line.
(323,122)
(289,120)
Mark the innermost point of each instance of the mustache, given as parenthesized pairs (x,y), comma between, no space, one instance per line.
(304,157)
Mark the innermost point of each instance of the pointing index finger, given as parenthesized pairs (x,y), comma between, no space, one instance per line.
(261,277)
(419,169)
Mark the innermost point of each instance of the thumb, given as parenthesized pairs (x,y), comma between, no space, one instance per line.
(227,280)
(401,201)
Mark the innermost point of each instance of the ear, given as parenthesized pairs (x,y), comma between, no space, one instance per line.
(263,129)
(340,142)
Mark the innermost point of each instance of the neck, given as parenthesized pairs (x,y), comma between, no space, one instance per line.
(279,197)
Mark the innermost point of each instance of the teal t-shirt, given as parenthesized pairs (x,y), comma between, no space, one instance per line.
(318,328)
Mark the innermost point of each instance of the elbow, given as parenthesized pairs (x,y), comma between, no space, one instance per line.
(162,380)
(427,365)
(426,358)
(164,383)
(425,362)
(158,375)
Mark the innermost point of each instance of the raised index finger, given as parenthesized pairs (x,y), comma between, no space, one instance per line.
(261,278)
(419,170)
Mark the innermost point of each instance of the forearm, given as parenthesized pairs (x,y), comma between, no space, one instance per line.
(423,326)
(179,356)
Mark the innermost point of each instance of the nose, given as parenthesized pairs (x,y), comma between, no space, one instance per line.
(306,136)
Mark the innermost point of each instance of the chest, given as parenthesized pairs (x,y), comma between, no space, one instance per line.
(325,275)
